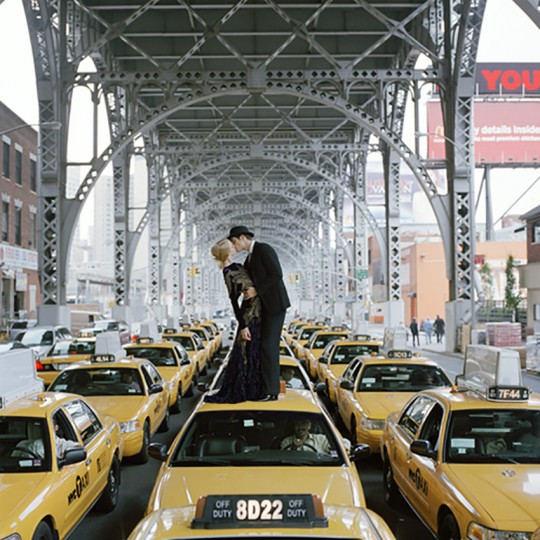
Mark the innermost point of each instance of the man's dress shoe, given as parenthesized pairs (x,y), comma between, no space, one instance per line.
(268,397)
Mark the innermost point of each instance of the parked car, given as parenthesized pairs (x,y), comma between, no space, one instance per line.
(42,338)
(110,325)
(19,325)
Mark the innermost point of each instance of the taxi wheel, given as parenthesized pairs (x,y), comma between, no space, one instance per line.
(449,529)
(354,437)
(189,391)
(175,407)
(392,496)
(43,532)
(164,426)
(142,456)
(109,498)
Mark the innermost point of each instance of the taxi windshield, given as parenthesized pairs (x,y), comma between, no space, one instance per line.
(185,341)
(24,446)
(159,356)
(255,438)
(494,436)
(343,354)
(103,381)
(401,378)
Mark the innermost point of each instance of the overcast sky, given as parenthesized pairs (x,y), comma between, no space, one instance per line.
(507,35)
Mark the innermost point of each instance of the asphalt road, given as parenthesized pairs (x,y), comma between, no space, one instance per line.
(138,480)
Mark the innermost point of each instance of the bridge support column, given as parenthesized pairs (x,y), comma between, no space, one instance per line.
(51,314)
(393,313)
(123,313)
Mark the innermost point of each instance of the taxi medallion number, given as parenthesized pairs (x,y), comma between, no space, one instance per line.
(222,511)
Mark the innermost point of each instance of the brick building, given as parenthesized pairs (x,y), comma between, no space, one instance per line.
(530,273)
(19,280)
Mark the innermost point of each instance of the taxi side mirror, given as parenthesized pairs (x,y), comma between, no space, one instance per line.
(155,388)
(185,362)
(157,451)
(346,384)
(423,448)
(203,387)
(73,455)
(323,360)
(320,388)
(359,452)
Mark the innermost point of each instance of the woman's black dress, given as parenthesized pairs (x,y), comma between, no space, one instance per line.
(242,374)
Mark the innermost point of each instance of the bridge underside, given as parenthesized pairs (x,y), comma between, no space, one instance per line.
(261,112)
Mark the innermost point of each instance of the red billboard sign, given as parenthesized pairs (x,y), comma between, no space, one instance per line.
(504,132)
(508,78)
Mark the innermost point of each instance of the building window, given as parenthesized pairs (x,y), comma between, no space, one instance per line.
(33,175)
(536,312)
(5,167)
(18,226)
(536,233)
(5,221)
(18,166)
(32,238)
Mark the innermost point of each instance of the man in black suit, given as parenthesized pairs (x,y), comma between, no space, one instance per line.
(262,264)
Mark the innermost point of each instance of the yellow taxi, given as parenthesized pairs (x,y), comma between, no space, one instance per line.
(294,327)
(237,448)
(206,339)
(128,389)
(335,359)
(291,375)
(284,349)
(215,333)
(316,345)
(58,456)
(467,458)
(173,363)
(63,354)
(302,337)
(193,346)
(279,516)
(373,387)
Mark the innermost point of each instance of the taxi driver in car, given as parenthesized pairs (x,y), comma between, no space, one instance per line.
(303,439)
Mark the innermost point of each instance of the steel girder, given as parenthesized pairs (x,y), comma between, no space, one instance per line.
(200,73)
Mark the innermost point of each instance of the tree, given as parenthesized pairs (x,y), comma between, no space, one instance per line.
(486,278)
(512,298)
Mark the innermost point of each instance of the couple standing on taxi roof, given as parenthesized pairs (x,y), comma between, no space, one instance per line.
(252,371)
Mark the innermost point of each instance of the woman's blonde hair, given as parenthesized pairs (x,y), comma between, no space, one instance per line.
(221,251)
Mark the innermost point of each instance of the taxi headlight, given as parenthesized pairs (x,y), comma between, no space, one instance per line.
(372,424)
(130,427)
(479,532)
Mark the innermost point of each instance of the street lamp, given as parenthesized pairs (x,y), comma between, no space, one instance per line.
(51,125)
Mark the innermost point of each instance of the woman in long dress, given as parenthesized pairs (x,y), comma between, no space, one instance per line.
(242,377)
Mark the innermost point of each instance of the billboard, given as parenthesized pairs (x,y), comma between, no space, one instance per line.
(508,78)
(504,132)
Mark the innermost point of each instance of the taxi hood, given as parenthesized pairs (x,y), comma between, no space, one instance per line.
(507,492)
(121,408)
(181,486)
(19,493)
(378,405)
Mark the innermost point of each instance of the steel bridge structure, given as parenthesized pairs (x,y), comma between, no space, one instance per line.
(260,112)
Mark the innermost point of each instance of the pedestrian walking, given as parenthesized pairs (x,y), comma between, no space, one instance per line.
(438,326)
(427,327)
(414,332)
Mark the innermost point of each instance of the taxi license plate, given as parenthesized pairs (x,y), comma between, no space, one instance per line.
(243,511)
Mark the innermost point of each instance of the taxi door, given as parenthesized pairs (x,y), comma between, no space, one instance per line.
(345,398)
(401,436)
(159,401)
(424,491)
(84,481)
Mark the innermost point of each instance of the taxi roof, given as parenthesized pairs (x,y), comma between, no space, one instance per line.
(126,362)
(415,360)
(455,399)
(289,401)
(156,344)
(36,404)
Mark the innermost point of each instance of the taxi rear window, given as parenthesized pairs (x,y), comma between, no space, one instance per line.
(99,382)
(401,378)
(185,341)
(159,356)
(255,438)
(494,436)
(344,354)
(24,445)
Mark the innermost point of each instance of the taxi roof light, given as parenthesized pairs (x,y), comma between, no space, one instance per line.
(149,329)
(108,344)
(395,338)
(169,330)
(493,372)
(19,377)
